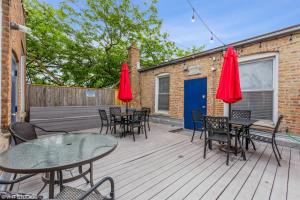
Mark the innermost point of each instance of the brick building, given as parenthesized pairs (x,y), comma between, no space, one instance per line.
(12,65)
(270,79)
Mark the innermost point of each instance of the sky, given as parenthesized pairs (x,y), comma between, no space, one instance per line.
(231,20)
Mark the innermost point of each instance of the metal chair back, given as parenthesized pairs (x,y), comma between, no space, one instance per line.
(276,129)
(148,110)
(114,110)
(22,131)
(103,115)
(138,116)
(197,116)
(241,114)
(216,125)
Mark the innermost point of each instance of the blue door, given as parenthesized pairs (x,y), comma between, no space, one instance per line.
(195,92)
(14,79)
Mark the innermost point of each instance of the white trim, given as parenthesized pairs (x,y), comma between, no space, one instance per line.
(22,83)
(275,57)
(0,62)
(156,92)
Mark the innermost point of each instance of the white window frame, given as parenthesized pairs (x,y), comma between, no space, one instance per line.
(156,93)
(257,57)
(22,82)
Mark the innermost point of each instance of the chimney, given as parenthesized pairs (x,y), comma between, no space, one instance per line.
(134,64)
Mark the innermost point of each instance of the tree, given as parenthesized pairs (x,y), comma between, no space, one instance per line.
(84,43)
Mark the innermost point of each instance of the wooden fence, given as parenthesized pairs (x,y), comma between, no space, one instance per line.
(45,96)
(67,108)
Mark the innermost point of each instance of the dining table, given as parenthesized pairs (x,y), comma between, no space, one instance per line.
(52,154)
(125,117)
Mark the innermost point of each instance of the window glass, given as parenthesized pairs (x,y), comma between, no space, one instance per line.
(163,93)
(257,75)
(257,87)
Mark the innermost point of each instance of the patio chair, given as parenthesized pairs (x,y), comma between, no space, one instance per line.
(147,119)
(217,129)
(104,120)
(69,193)
(271,140)
(244,115)
(197,119)
(138,121)
(22,132)
(115,120)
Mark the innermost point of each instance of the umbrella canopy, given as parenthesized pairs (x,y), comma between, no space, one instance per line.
(125,93)
(229,89)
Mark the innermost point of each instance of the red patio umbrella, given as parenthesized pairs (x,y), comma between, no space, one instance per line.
(125,93)
(229,89)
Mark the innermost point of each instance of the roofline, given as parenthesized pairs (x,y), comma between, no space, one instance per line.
(256,39)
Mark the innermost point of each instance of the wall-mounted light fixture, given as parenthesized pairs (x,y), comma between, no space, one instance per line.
(19,27)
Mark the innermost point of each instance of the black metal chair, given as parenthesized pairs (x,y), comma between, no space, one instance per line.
(217,129)
(69,193)
(22,132)
(147,119)
(114,118)
(271,140)
(243,115)
(197,119)
(104,120)
(138,121)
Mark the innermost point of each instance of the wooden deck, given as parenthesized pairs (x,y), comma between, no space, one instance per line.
(169,166)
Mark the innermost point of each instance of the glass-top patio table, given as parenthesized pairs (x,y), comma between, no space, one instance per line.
(56,153)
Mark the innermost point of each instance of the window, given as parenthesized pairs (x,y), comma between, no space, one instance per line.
(162,93)
(258,88)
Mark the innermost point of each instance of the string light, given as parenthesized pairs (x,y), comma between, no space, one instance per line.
(211,39)
(196,14)
(193,17)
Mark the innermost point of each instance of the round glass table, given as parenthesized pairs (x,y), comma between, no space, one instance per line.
(56,153)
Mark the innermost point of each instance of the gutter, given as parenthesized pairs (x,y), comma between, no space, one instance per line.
(253,40)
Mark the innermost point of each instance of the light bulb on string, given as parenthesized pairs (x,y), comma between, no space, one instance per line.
(211,39)
(193,17)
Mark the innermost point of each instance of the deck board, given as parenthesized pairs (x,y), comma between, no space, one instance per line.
(169,166)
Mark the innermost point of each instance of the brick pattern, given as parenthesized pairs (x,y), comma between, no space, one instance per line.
(133,59)
(13,43)
(288,83)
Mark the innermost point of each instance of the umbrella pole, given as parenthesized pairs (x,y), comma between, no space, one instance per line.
(126,107)
(229,115)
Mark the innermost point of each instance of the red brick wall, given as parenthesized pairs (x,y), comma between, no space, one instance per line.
(13,43)
(288,80)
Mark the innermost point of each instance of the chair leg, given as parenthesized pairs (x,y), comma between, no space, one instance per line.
(106,129)
(148,124)
(193,133)
(101,128)
(227,151)
(241,146)
(201,133)
(133,135)
(205,144)
(12,185)
(235,143)
(275,154)
(277,149)
(145,131)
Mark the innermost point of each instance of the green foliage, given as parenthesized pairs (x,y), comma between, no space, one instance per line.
(83,43)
